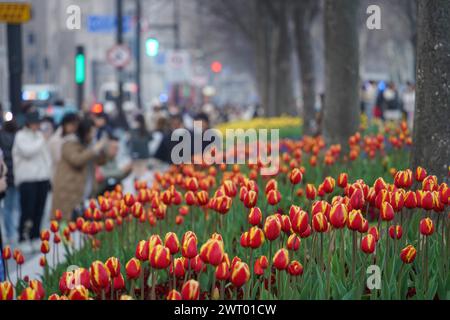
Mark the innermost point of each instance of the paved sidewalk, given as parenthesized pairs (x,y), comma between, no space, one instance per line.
(31,267)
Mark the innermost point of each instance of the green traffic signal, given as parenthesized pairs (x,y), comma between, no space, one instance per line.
(80,72)
(152,47)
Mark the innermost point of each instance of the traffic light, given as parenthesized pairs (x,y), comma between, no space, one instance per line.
(216,67)
(152,47)
(80,66)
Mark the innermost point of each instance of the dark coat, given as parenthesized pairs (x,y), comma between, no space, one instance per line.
(6,145)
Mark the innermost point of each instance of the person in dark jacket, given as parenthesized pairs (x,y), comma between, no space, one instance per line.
(139,139)
(10,204)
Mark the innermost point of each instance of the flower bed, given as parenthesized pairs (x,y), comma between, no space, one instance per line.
(324,227)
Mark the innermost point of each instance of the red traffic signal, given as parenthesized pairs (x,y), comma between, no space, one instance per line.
(216,67)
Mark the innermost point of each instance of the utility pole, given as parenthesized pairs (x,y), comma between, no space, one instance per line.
(138,53)
(14,35)
(176,24)
(122,121)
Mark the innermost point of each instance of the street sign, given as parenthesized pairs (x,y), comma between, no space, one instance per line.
(178,65)
(119,56)
(107,24)
(14,12)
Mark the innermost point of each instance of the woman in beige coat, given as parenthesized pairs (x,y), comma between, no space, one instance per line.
(75,172)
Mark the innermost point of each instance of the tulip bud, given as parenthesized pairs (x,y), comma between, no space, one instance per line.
(45,247)
(54,226)
(281,259)
(386,211)
(272,228)
(299,221)
(223,272)
(395,232)
(421,174)
(426,227)
(240,274)
(174,295)
(355,220)
(38,287)
(357,199)
(159,257)
(190,290)
(368,244)
(342,180)
(177,268)
(338,215)
(255,216)
(408,254)
(29,294)
(293,242)
(272,184)
(295,176)
(364,226)
(320,222)
(255,237)
(133,268)
(328,184)
(295,268)
(425,199)
(100,276)
(311,191)
(212,252)
(45,235)
(171,242)
(197,264)
(79,293)
(6,291)
(113,266)
(410,200)
(6,253)
(375,233)
(273,197)
(189,247)
(250,199)
(142,251)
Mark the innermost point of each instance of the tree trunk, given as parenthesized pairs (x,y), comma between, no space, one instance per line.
(431,147)
(303,19)
(282,68)
(341,112)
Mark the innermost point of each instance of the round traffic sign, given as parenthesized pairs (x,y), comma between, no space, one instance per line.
(119,56)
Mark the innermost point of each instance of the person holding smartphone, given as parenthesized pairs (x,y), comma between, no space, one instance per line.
(75,172)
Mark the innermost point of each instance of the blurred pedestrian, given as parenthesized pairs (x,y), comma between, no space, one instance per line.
(10,207)
(159,145)
(112,172)
(102,127)
(31,161)
(139,139)
(408,102)
(69,125)
(368,97)
(390,103)
(3,186)
(74,178)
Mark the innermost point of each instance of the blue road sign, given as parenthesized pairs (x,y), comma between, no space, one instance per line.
(106,24)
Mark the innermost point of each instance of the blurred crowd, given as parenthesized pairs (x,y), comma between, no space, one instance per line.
(47,165)
(388,102)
